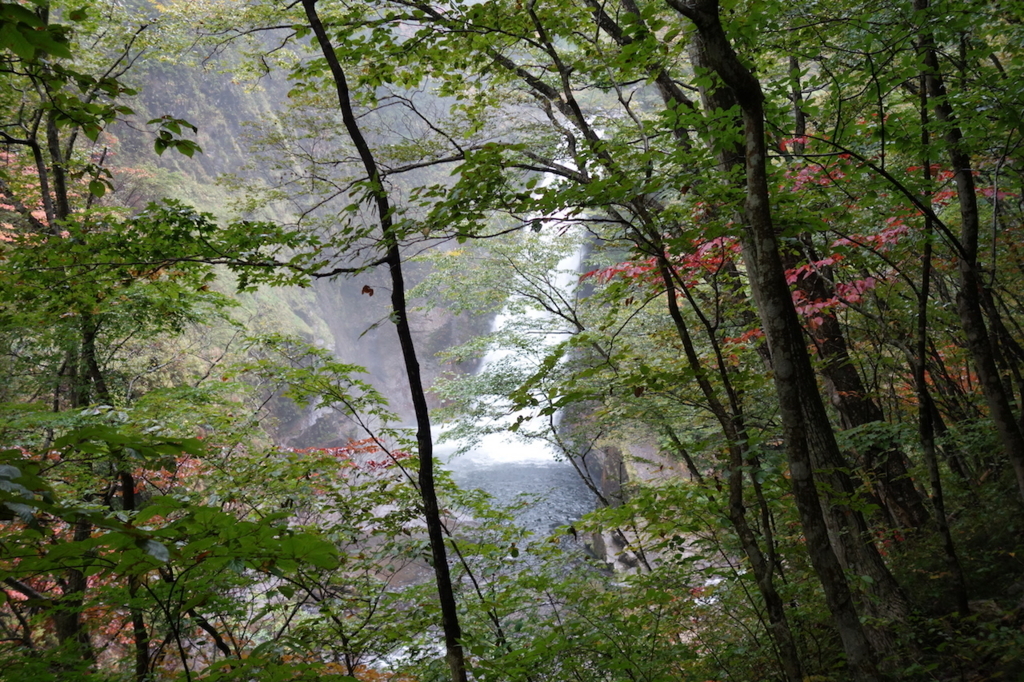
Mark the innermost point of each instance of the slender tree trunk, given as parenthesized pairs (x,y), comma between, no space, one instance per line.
(969,303)
(794,375)
(140,633)
(58,172)
(734,429)
(797,97)
(926,408)
(926,429)
(67,615)
(424,439)
(885,463)
(90,329)
(1008,352)
(763,569)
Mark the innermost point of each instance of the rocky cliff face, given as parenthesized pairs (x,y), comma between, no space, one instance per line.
(619,468)
(334,314)
(361,333)
(379,352)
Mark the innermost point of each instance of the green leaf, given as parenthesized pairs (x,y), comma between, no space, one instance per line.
(15,13)
(155,549)
(14,39)
(24,512)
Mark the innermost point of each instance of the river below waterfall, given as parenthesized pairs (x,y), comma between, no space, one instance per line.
(506,468)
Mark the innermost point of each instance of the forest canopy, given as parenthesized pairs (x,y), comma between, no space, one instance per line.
(758,281)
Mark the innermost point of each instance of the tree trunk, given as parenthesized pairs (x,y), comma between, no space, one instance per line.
(969,302)
(67,615)
(885,463)
(734,429)
(763,569)
(791,364)
(431,512)
(926,407)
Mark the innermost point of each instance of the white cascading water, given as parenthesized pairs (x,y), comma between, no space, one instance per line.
(506,465)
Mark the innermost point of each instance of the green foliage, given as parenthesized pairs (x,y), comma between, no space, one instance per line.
(312,377)
(185,554)
(170,127)
(26,33)
(253,561)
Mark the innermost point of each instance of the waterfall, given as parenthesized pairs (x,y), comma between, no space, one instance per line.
(505,464)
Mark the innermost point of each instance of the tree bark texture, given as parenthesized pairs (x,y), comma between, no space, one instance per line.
(793,374)
(848,530)
(969,298)
(884,462)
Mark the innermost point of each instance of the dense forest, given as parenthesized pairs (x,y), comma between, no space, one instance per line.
(250,253)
